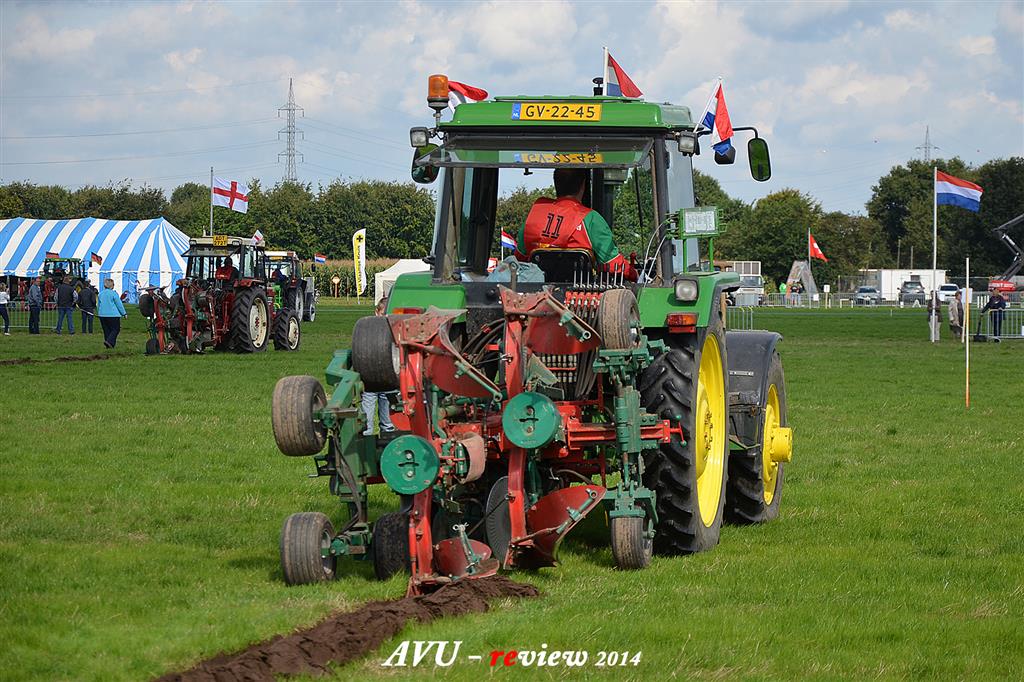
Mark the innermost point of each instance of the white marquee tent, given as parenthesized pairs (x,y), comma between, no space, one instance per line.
(384,280)
(134,252)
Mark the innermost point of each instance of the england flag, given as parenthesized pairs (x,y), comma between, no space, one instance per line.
(230,194)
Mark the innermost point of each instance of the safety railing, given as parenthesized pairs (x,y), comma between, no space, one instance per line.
(739,317)
(789,300)
(1009,326)
(18,312)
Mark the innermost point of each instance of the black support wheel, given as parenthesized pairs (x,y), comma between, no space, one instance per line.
(287,330)
(250,321)
(293,414)
(309,312)
(618,319)
(632,546)
(152,346)
(374,354)
(756,474)
(146,305)
(688,385)
(305,542)
(389,547)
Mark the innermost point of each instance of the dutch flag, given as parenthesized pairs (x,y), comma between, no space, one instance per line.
(956,192)
(319,258)
(507,241)
(717,119)
(616,82)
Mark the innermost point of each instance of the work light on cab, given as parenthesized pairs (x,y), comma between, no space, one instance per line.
(418,137)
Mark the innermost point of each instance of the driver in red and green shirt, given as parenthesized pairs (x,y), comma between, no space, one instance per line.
(565,223)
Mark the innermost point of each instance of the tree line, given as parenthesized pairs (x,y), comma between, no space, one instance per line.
(399,217)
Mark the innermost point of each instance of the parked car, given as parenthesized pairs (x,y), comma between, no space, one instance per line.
(867,296)
(912,292)
(947,292)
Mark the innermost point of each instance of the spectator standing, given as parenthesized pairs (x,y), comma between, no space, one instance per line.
(87,304)
(34,300)
(956,316)
(110,311)
(377,402)
(5,298)
(996,304)
(66,305)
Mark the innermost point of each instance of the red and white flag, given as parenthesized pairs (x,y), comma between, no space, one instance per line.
(460,93)
(813,249)
(231,194)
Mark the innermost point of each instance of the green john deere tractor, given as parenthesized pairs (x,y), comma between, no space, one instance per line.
(536,392)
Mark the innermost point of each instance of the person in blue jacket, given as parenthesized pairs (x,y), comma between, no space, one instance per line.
(110,310)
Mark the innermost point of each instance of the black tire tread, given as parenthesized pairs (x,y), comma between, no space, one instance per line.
(281,330)
(372,342)
(389,548)
(301,562)
(629,547)
(667,389)
(745,489)
(240,337)
(295,399)
(616,310)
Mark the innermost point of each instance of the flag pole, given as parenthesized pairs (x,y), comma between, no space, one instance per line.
(967,336)
(211,201)
(935,244)
(604,82)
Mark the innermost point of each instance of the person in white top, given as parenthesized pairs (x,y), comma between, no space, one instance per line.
(5,298)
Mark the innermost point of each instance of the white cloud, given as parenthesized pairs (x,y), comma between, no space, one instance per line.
(39,42)
(182,60)
(972,46)
(902,19)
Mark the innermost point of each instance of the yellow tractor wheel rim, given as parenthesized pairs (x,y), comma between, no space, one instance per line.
(769,467)
(710,431)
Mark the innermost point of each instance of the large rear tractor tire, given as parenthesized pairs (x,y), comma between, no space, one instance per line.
(618,319)
(688,385)
(754,492)
(374,354)
(296,401)
(389,547)
(631,549)
(250,321)
(304,538)
(287,331)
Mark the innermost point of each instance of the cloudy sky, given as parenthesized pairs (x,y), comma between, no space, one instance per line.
(92,92)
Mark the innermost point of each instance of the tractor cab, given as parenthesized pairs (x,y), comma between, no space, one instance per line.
(637,157)
(291,289)
(206,259)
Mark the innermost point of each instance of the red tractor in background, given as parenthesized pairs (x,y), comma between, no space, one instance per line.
(224,301)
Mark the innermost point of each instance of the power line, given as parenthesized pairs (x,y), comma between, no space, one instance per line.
(146,156)
(137,132)
(351,132)
(344,154)
(224,86)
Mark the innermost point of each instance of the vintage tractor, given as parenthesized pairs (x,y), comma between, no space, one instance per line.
(56,269)
(535,394)
(291,289)
(226,307)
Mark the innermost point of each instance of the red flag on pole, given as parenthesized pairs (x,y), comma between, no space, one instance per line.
(814,249)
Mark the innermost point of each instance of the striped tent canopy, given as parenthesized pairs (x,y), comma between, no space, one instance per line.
(135,252)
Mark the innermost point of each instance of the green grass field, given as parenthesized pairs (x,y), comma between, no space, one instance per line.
(141,500)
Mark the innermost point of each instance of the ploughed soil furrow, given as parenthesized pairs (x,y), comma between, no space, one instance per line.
(344,637)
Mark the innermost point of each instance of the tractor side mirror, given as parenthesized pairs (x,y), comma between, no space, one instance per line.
(423,174)
(726,159)
(760,164)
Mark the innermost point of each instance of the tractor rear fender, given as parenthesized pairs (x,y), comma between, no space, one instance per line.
(750,356)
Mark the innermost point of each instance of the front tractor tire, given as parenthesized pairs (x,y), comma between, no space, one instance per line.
(250,321)
(687,384)
(287,331)
(756,474)
(305,539)
(297,429)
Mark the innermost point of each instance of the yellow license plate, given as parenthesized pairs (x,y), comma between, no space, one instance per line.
(542,111)
(559,157)
(220,240)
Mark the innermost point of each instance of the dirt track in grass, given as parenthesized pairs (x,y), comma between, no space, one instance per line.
(344,637)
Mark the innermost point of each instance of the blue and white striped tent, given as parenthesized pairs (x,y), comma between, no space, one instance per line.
(134,252)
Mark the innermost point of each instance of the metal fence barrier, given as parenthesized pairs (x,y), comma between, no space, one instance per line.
(739,317)
(18,312)
(1012,326)
(788,300)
